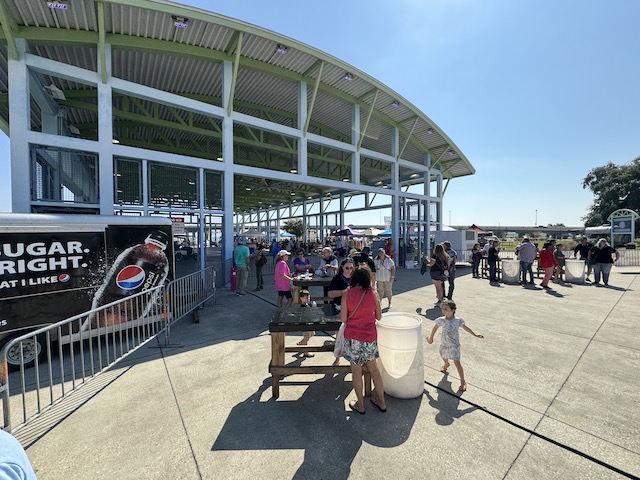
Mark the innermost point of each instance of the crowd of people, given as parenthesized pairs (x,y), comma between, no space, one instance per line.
(359,283)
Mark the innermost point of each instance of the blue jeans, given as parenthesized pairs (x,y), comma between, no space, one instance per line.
(493,272)
(524,268)
(451,281)
(605,269)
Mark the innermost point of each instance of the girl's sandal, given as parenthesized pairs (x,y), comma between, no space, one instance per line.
(462,387)
(444,369)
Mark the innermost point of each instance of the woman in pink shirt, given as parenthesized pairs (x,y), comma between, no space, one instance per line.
(360,310)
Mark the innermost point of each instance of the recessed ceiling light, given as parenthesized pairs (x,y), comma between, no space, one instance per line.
(57,5)
(248,189)
(180,22)
(430,131)
(346,179)
(395,104)
(294,170)
(348,76)
(414,175)
(115,141)
(293,194)
(219,158)
(282,49)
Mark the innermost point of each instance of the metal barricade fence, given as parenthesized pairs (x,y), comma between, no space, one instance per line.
(39,369)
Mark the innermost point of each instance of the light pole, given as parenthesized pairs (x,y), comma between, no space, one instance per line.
(536,224)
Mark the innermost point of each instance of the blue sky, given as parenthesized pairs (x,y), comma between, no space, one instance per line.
(534,93)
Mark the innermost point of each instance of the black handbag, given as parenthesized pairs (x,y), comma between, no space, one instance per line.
(423,267)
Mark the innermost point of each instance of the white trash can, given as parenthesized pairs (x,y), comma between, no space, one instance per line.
(401,361)
(574,271)
(511,271)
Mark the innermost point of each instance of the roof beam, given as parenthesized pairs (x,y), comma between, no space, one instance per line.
(102,43)
(313,99)
(234,78)
(407,138)
(366,123)
(9,28)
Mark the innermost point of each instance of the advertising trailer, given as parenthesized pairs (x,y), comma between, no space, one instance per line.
(53,267)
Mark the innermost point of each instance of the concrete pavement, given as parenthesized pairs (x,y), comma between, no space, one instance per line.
(553,393)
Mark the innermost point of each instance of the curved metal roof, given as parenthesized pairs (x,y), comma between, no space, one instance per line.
(149,49)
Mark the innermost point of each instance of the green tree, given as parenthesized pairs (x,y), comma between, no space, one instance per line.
(614,187)
(295,227)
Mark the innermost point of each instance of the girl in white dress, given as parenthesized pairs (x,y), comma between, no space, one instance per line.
(450,340)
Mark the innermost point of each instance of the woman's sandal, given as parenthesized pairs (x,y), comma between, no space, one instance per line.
(462,387)
(375,402)
(352,406)
(444,369)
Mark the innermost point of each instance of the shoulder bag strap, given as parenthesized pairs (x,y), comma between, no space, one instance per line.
(355,309)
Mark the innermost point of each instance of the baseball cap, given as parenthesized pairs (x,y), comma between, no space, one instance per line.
(353,252)
(381,250)
(242,241)
(282,253)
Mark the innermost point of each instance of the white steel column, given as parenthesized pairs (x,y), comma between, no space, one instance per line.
(395,197)
(19,126)
(303,167)
(355,140)
(227,156)
(105,139)
(427,190)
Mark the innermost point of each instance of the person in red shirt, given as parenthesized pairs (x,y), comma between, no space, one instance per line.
(547,262)
(360,310)
(388,249)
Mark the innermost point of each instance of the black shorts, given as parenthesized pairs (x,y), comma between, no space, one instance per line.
(285,293)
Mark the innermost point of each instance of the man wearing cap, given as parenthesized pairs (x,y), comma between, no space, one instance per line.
(453,258)
(241,255)
(385,275)
(526,253)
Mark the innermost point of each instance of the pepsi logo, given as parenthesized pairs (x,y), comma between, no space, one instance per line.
(130,277)
(64,278)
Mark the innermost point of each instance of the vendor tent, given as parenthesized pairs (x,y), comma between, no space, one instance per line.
(347,232)
(371,232)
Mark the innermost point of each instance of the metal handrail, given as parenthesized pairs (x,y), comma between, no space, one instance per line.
(90,343)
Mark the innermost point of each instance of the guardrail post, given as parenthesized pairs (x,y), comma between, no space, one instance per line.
(4,390)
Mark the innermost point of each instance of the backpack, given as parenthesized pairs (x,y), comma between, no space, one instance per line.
(262,260)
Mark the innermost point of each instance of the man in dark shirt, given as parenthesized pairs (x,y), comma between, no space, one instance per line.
(492,260)
(583,248)
(365,258)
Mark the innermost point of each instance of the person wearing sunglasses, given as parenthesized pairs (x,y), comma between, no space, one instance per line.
(340,283)
(301,264)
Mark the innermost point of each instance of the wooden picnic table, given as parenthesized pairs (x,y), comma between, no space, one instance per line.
(297,319)
(300,283)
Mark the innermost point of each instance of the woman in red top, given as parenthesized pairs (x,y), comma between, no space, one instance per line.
(361,345)
(547,262)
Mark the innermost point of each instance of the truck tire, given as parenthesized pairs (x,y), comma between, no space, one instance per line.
(32,348)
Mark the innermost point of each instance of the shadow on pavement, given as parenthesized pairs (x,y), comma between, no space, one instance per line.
(318,422)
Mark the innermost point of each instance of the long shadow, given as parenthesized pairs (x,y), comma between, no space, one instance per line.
(446,403)
(318,422)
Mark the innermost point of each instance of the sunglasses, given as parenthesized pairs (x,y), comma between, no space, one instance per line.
(348,267)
